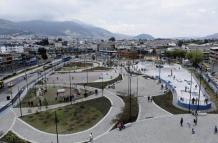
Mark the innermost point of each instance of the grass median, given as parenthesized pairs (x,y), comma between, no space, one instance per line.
(12,138)
(166,102)
(125,116)
(72,118)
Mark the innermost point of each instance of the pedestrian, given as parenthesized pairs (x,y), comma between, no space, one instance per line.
(193,131)
(193,100)
(90,138)
(195,122)
(148,98)
(215,130)
(151,99)
(181,122)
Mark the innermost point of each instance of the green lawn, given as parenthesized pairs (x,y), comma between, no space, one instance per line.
(72,118)
(165,102)
(12,138)
(103,84)
(125,115)
(50,97)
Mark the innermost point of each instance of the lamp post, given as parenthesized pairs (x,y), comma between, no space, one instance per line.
(70,88)
(20,102)
(130,98)
(26,76)
(11,93)
(56,126)
(102,88)
(199,93)
(190,94)
(137,87)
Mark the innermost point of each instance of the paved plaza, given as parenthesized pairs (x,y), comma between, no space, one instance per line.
(153,125)
(165,129)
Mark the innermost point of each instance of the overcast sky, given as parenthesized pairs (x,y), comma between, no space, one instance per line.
(161,18)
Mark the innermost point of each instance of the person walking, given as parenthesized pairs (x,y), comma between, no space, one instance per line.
(193,131)
(90,138)
(195,122)
(181,122)
(215,130)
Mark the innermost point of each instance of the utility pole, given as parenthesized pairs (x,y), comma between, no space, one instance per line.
(199,91)
(137,87)
(26,80)
(20,102)
(56,126)
(70,88)
(159,72)
(199,94)
(102,89)
(189,108)
(130,99)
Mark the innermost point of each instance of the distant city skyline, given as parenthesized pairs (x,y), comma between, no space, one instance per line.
(160,18)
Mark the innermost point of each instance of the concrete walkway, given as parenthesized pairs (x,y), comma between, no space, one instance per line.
(27,132)
(146,87)
(7,119)
(166,130)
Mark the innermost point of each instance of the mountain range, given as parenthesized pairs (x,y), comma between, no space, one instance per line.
(66,28)
(213,36)
(75,29)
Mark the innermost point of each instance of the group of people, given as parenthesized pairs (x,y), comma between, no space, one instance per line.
(189,124)
(150,99)
(121,126)
(195,121)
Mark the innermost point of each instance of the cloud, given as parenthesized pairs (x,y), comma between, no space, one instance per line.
(162,18)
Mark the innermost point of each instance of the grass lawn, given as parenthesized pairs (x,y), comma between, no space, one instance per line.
(50,96)
(97,69)
(72,118)
(125,115)
(209,90)
(12,138)
(104,84)
(165,102)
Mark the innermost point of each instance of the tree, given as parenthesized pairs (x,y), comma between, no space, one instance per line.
(195,57)
(112,39)
(43,53)
(180,43)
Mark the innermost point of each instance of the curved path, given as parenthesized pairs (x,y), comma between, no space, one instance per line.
(7,120)
(146,87)
(29,133)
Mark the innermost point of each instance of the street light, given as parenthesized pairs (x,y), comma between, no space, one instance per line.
(190,94)
(137,87)
(26,76)
(20,101)
(130,98)
(102,89)
(56,126)
(199,94)
(70,88)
